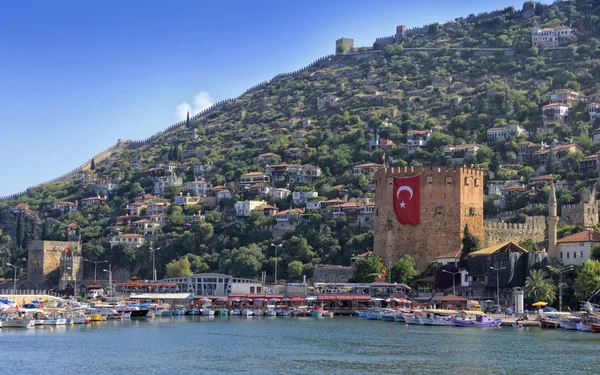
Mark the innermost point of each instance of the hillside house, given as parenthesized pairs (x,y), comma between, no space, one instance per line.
(87,175)
(559,152)
(415,139)
(594,111)
(252,178)
(551,37)
(144,198)
(367,216)
(514,130)
(243,208)
(457,153)
(350,210)
(199,187)
(576,249)
(301,197)
(160,219)
(163,182)
(565,96)
(65,207)
(267,209)
(155,208)
(87,202)
(589,163)
(564,185)
(527,149)
(366,169)
(23,207)
(133,240)
(540,181)
(188,200)
(189,219)
(135,208)
(260,188)
(288,218)
(293,173)
(106,185)
(596,135)
(380,144)
(280,193)
(555,112)
(146,227)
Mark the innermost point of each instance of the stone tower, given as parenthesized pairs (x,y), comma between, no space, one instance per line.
(552,220)
(44,257)
(528,9)
(400,33)
(343,45)
(451,198)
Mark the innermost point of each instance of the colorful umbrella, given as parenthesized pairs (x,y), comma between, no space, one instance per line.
(539,304)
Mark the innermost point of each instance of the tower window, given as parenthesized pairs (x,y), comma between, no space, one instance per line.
(466,181)
(430,179)
(448,180)
(439,210)
(476,182)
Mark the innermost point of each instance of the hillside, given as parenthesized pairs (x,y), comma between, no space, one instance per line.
(319,134)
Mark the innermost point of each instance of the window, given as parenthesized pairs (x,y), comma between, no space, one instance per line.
(581,244)
(448,180)
(476,182)
(561,255)
(467,181)
(567,255)
(574,254)
(581,253)
(430,179)
(439,210)
(471,211)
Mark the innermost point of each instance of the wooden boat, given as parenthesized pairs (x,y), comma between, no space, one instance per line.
(221,312)
(327,314)
(584,326)
(192,311)
(206,311)
(595,327)
(412,318)
(15,319)
(462,321)
(569,323)
(282,312)
(247,312)
(316,314)
(258,312)
(441,321)
(399,317)
(271,312)
(483,321)
(178,310)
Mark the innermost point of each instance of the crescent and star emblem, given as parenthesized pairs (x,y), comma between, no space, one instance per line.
(401,189)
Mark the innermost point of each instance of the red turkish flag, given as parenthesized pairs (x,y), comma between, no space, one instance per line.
(407,199)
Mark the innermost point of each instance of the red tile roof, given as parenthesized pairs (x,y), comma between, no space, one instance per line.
(585,236)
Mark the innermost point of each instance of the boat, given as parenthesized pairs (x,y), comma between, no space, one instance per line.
(137,311)
(15,319)
(327,314)
(247,312)
(569,323)
(192,311)
(441,321)
(282,312)
(178,310)
(302,313)
(389,316)
(316,313)
(236,312)
(206,311)
(584,326)
(271,311)
(374,314)
(221,312)
(462,321)
(399,317)
(595,327)
(258,312)
(412,318)
(483,321)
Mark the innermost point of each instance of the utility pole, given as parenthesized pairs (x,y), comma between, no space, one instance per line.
(560,271)
(95,265)
(276,246)
(453,280)
(154,262)
(497,284)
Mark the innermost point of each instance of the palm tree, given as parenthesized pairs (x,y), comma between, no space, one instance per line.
(539,288)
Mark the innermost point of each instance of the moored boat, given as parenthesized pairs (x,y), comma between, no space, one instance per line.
(15,319)
(569,323)
(584,326)
(192,311)
(206,311)
(247,312)
(595,327)
(412,318)
(483,321)
(547,323)
(461,321)
(221,312)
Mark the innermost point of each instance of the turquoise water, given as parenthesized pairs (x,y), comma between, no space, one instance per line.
(199,345)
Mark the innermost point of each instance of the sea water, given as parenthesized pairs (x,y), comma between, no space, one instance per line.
(236,345)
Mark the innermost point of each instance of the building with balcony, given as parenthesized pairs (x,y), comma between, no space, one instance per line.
(514,130)
(252,178)
(551,37)
(243,208)
(416,139)
(555,112)
(130,239)
(457,153)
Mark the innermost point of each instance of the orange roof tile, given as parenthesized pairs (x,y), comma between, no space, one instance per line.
(585,236)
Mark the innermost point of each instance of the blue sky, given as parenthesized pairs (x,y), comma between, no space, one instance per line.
(77,75)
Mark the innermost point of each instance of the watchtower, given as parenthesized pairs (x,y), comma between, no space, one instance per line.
(400,33)
(451,198)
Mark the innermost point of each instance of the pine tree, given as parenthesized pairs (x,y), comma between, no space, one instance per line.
(470,244)
(179,153)
(21,229)
(187,121)
(93,164)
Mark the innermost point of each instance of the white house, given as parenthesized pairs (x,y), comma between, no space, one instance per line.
(199,187)
(224,194)
(551,37)
(65,207)
(458,153)
(416,139)
(577,248)
(163,182)
(243,208)
(254,178)
(503,132)
(217,284)
(288,218)
(555,112)
(86,202)
(106,185)
(131,239)
(155,208)
(565,96)
(594,111)
(301,197)
(280,193)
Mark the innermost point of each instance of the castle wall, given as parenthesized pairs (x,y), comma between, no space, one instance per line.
(333,274)
(534,228)
(45,257)
(583,214)
(451,198)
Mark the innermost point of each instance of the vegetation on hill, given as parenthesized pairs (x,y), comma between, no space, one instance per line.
(335,112)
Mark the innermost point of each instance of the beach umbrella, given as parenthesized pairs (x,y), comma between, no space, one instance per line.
(539,304)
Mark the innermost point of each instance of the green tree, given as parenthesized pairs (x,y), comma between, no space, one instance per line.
(595,253)
(21,228)
(187,120)
(470,244)
(247,261)
(403,270)
(539,288)
(528,245)
(368,268)
(526,172)
(295,269)
(93,164)
(588,280)
(176,218)
(179,268)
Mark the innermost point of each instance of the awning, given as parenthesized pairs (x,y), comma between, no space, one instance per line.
(162,296)
(343,297)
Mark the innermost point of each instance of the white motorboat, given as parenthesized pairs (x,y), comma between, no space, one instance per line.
(441,321)
(14,319)
(271,312)
(412,319)
(205,311)
(258,312)
(178,310)
(247,312)
(327,314)
(584,326)
(570,323)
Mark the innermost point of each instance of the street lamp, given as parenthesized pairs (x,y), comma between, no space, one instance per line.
(14,280)
(154,261)
(497,283)
(276,246)
(390,271)
(453,280)
(109,278)
(95,265)
(74,274)
(560,271)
